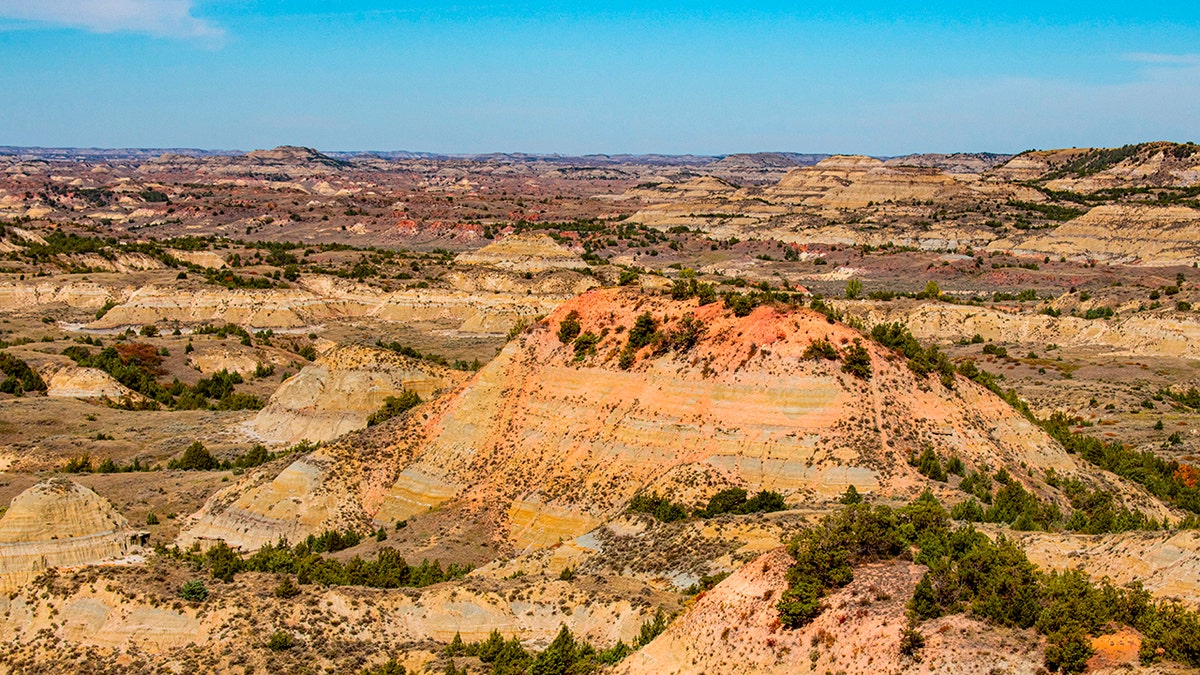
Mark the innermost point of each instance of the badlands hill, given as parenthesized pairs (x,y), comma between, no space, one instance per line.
(337,393)
(1131,205)
(735,629)
(551,439)
(530,252)
(58,523)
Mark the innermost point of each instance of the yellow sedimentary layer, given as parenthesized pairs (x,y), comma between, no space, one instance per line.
(1163,235)
(290,505)
(297,307)
(734,629)
(338,392)
(1151,334)
(58,523)
(528,252)
(550,446)
(73,382)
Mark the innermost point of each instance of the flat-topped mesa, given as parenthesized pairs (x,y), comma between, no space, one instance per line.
(552,438)
(59,523)
(341,389)
(525,252)
(853,181)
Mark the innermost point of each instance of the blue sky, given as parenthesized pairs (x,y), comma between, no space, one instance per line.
(574,77)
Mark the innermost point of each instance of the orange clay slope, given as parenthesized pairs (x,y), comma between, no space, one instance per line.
(545,443)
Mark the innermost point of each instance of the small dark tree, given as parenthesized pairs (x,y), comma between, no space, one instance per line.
(286,588)
(195,458)
(193,591)
(857,361)
(851,496)
(643,331)
(393,406)
(570,328)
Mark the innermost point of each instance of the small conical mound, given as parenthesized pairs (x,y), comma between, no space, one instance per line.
(58,523)
(56,509)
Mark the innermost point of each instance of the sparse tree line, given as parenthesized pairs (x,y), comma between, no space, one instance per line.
(308,564)
(138,365)
(405,350)
(645,332)
(731,501)
(195,458)
(565,655)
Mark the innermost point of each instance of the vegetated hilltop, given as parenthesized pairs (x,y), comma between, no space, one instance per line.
(620,392)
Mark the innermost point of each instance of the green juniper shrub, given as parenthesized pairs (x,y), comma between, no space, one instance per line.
(195,458)
(818,349)
(850,496)
(394,406)
(661,508)
(280,641)
(928,464)
(193,591)
(570,328)
(857,361)
(585,345)
(644,331)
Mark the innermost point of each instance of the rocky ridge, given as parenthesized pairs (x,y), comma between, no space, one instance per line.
(547,446)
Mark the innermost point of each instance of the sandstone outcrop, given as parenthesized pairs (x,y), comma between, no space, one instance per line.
(58,523)
(1119,233)
(320,300)
(1149,334)
(124,613)
(1167,564)
(527,252)
(735,629)
(68,381)
(855,181)
(337,393)
(16,295)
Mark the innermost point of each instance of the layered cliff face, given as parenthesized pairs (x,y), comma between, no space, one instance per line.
(1147,335)
(530,252)
(1120,233)
(337,393)
(320,300)
(58,523)
(855,181)
(551,439)
(115,613)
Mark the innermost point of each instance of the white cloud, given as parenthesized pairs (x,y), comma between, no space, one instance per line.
(163,18)
(1164,59)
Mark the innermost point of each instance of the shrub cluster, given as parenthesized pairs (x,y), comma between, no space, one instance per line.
(305,560)
(990,580)
(565,655)
(921,360)
(138,365)
(394,406)
(405,350)
(18,376)
(734,501)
